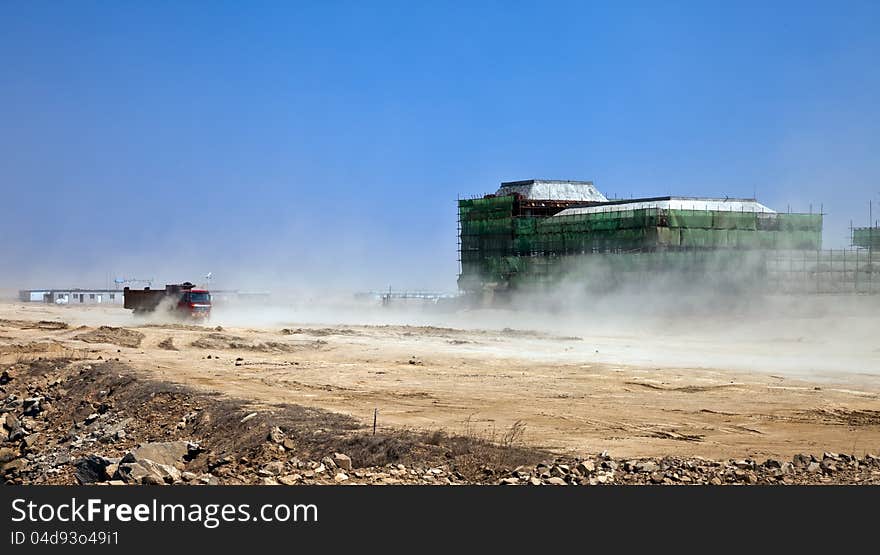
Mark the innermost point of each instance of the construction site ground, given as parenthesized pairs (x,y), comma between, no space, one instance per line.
(571,394)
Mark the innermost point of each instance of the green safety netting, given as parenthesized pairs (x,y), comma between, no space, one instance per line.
(866,237)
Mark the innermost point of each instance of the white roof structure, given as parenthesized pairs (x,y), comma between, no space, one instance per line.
(551,189)
(674,203)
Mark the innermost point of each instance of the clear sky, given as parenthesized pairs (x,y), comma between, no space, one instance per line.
(325,143)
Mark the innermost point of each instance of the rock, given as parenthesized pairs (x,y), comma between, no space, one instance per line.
(188,477)
(162,452)
(248,417)
(148,472)
(715,481)
(828,466)
(276,435)
(556,481)
(28,442)
(813,467)
(7,454)
(288,444)
(273,468)
(585,467)
(32,406)
(560,470)
(91,418)
(290,479)
(535,481)
(800,460)
(342,461)
(509,482)
(13,426)
(91,469)
(150,480)
(657,477)
(209,480)
(116,483)
(645,466)
(14,466)
(340,477)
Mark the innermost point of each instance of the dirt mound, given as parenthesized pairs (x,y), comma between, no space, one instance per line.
(116,336)
(319,332)
(846,417)
(29,325)
(50,325)
(168,344)
(37,350)
(184,327)
(224,341)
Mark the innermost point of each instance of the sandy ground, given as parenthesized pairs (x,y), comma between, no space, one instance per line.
(764,391)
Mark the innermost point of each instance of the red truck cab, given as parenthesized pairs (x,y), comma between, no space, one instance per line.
(196,302)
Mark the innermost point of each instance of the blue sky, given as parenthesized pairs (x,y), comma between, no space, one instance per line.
(326,142)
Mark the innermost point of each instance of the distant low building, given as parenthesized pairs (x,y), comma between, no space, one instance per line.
(71,296)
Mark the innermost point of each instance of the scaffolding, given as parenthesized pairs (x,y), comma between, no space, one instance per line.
(504,243)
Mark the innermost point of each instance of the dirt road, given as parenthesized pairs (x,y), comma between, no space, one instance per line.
(574,393)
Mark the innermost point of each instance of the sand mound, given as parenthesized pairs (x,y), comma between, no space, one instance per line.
(185,327)
(38,349)
(319,332)
(224,341)
(167,344)
(116,336)
(30,325)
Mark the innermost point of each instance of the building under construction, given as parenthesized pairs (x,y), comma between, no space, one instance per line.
(866,237)
(536,233)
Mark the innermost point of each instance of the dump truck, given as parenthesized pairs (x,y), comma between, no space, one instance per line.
(182,300)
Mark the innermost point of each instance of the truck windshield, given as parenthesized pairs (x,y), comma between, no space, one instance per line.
(199,297)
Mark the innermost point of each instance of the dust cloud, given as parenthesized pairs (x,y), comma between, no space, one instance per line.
(720,317)
(714,316)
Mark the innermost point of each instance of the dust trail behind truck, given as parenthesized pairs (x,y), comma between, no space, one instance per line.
(182,300)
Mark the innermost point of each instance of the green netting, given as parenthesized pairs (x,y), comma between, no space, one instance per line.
(525,226)
(496,246)
(734,220)
(483,227)
(668,237)
(689,218)
(866,237)
(767,222)
(695,238)
(800,222)
(799,240)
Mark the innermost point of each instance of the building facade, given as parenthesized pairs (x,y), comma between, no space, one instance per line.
(514,240)
(71,296)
